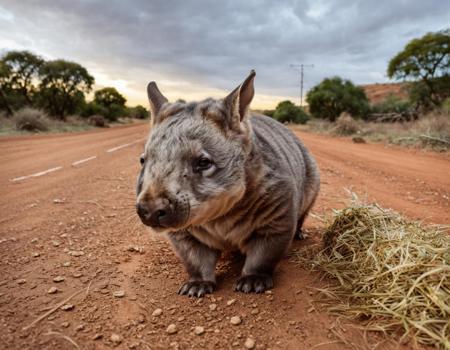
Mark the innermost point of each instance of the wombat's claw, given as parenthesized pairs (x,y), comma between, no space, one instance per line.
(254,283)
(299,235)
(197,288)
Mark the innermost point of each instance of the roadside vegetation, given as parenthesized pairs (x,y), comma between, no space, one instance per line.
(418,118)
(41,96)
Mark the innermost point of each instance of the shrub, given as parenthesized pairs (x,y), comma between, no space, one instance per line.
(445,107)
(138,112)
(98,121)
(287,112)
(30,119)
(333,96)
(392,104)
(92,108)
(269,112)
(345,125)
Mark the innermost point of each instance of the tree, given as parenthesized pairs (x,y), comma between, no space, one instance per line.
(112,101)
(5,88)
(287,112)
(138,112)
(62,88)
(426,61)
(18,73)
(333,96)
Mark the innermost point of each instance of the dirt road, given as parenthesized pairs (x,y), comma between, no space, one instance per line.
(68,222)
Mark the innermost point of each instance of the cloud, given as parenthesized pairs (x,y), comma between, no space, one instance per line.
(196,48)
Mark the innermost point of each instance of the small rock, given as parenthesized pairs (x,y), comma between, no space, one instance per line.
(21,281)
(116,338)
(171,329)
(199,330)
(58,279)
(181,319)
(231,302)
(52,290)
(235,320)
(134,345)
(67,307)
(249,343)
(56,243)
(254,311)
(65,324)
(212,307)
(77,274)
(119,293)
(76,252)
(66,264)
(157,312)
(36,255)
(97,336)
(358,139)
(79,327)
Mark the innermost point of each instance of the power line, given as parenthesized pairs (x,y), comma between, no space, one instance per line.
(301,67)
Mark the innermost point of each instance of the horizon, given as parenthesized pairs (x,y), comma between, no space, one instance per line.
(199,49)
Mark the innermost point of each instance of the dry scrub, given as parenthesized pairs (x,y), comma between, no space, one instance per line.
(431,131)
(392,274)
(33,120)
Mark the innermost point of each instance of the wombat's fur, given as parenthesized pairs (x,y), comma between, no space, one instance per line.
(215,177)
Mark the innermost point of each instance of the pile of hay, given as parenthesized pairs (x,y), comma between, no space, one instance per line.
(392,274)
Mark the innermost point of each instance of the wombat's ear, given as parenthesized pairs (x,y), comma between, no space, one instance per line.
(240,98)
(156,99)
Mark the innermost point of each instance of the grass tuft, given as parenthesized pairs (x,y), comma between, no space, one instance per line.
(392,274)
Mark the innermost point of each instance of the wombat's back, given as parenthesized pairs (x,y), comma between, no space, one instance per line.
(286,155)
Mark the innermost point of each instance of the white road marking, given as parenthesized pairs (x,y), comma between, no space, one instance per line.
(123,146)
(20,178)
(118,147)
(37,174)
(83,160)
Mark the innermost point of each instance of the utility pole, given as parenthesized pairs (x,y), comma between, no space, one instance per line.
(301,68)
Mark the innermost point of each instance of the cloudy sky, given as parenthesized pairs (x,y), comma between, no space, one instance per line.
(200,48)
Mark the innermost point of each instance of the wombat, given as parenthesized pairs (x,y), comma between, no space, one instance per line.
(215,177)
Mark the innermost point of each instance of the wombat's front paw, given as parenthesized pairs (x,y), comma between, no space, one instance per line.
(254,283)
(197,288)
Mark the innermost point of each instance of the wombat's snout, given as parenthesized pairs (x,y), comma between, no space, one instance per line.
(155,214)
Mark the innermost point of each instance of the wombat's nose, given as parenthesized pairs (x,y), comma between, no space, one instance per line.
(155,215)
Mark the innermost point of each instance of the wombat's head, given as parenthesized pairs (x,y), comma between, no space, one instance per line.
(193,167)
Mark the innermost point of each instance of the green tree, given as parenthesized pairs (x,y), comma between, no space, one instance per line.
(333,96)
(427,62)
(62,88)
(138,112)
(112,101)
(18,73)
(5,88)
(287,112)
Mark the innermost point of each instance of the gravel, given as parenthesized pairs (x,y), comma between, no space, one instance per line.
(249,343)
(199,330)
(235,320)
(171,329)
(157,312)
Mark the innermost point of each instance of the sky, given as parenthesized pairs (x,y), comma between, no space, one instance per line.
(204,48)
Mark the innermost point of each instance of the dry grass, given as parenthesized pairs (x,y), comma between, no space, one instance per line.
(345,125)
(392,274)
(29,120)
(431,131)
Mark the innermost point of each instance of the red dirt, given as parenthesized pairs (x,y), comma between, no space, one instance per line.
(90,208)
(378,92)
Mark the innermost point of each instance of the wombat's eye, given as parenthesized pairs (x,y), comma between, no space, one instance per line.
(201,164)
(142,159)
